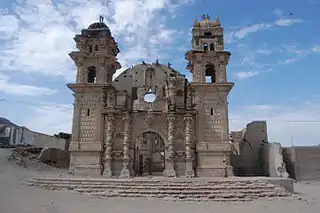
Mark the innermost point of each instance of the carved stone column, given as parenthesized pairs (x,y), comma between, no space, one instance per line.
(125,172)
(169,171)
(110,122)
(189,172)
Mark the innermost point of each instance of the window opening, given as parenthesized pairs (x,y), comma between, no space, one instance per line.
(210,73)
(92,75)
(211,47)
(205,47)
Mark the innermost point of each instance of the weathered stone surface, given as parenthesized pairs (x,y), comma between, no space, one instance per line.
(173,189)
(56,157)
(118,122)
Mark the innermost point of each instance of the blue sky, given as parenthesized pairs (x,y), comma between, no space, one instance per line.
(274,44)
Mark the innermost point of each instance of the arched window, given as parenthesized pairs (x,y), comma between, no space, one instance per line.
(92,74)
(90,48)
(96,48)
(212,47)
(205,47)
(210,73)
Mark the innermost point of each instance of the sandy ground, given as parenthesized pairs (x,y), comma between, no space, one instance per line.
(15,197)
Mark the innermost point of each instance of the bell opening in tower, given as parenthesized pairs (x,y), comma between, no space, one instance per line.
(210,73)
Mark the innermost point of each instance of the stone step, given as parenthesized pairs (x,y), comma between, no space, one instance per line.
(152,187)
(172,189)
(185,192)
(164,181)
(155,184)
(174,198)
(99,182)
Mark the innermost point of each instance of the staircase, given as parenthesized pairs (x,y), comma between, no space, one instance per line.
(169,189)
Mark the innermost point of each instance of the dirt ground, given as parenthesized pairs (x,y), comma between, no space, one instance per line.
(15,197)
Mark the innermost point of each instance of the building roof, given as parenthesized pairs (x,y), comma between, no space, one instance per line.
(5,121)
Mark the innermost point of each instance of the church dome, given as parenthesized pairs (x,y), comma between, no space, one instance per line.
(206,23)
(98,25)
(98,29)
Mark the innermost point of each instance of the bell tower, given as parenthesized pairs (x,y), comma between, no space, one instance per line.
(207,63)
(96,63)
(96,56)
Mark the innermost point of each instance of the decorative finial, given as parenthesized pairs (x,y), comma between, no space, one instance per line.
(208,17)
(101,19)
(217,20)
(203,17)
(196,23)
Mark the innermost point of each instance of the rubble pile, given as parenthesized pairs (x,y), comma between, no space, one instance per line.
(27,157)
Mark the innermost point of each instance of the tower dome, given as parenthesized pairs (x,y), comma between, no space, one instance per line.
(97,29)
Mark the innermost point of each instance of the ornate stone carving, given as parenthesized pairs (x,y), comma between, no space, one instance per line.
(109,97)
(188,143)
(169,171)
(125,173)
(148,120)
(107,155)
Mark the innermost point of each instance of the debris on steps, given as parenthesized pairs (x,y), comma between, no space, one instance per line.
(170,189)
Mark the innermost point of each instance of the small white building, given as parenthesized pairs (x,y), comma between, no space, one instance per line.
(12,136)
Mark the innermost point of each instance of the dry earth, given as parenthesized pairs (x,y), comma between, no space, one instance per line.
(15,197)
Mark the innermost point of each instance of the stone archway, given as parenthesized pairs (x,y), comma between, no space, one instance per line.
(150,154)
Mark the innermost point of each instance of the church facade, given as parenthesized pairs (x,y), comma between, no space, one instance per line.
(150,120)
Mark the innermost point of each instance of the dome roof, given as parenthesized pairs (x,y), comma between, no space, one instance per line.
(206,23)
(98,25)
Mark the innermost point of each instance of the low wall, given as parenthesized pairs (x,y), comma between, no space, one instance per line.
(24,136)
(272,157)
(304,163)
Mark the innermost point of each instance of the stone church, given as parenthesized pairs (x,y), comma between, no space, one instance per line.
(150,120)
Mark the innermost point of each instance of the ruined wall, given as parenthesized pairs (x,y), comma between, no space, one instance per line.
(272,158)
(249,162)
(304,162)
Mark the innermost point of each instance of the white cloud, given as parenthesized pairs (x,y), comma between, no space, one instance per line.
(245,75)
(284,22)
(316,48)
(21,89)
(34,41)
(51,118)
(251,29)
(291,60)
(300,122)
(241,33)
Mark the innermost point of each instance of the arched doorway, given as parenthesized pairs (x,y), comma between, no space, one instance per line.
(150,154)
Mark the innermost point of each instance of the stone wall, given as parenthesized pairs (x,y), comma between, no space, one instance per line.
(249,162)
(272,159)
(303,163)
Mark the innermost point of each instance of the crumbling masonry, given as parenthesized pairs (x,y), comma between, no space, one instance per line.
(151,120)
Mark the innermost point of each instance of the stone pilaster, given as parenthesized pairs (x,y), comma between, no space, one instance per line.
(80,71)
(189,172)
(99,130)
(169,170)
(75,139)
(125,172)
(172,91)
(107,156)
